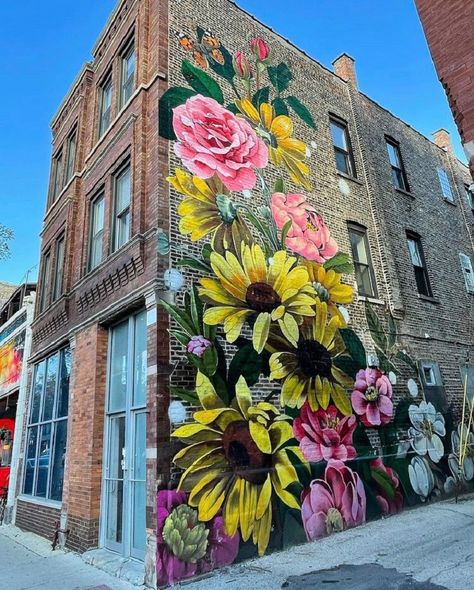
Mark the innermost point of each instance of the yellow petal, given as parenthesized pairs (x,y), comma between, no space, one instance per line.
(284,496)
(217,315)
(260,331)
(247,509)
(221,417)
(231,509)
(243,395)
(213,291)
(282,127)
(280,433)
(278,313)
(246,107)
(197,432)
(260,436)
(264,529)
(266,114)
(234,323)
(212,500)
(188,455)
(282,364)
(289,327)
(264,498)
(340,399)
(206,393)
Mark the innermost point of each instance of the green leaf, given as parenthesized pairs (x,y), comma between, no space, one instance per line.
(280,107)
(376,328)
(232,108)
(339,263)
(279,186)
(405,358)
(302,111)
(172,98)
(246,362)
(195,264)
(206,252)
(163,245)
(221,388)
(384,481)
(181,337)
(180,316)
(386,364)
(348,365)
(354,347)
(196,309)
(392,332)
(280,76)
(207,363)
(184,394)
(284,232)
(261,96)
(201,82)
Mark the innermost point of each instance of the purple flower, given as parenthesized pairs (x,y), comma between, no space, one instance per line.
(186,546)
(198,345)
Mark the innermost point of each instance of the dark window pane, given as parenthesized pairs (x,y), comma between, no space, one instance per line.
(59,457)
(140,360)
(342,162)
(50,388)
(58,271)
(338,134)
(37,390)
(71,157)
(30,456)
(393,155)
(397,178)
(422,283)
(119,367)
(364,280)
(63,392)
(44,454)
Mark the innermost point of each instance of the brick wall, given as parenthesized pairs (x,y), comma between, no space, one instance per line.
(37,518)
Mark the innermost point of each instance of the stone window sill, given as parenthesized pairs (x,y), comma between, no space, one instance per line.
(404,192)
(40,501)
(449,202)
(349,177)
(373,300)
(428,299)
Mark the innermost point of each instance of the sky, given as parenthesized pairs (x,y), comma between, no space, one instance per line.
(47,42)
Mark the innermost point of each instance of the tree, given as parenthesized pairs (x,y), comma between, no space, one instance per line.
(6,234)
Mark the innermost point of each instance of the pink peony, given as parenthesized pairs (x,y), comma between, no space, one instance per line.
(260,49)
(198,345)
(372,397)
(308,234)
(212,140)
(334,504)
(388,503)
(208,546)
(325,434)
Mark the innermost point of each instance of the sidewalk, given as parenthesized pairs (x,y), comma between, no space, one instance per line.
(27,562)
(433,543)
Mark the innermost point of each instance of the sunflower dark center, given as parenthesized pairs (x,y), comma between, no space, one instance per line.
(243,455)
(314,359)
(262,297)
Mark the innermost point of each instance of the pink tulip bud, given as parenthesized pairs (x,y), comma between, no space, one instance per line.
(260,49)
(198,345)
(241,66)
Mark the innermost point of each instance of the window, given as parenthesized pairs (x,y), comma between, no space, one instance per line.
(342,147)
(127,74)
(470,198)
(71,156)
(45,281)
(361,257)
(466,267)
(122,196)
(58,269)
(105,106)
(97,232)
(445,186)
(399,178)
(46,435)
(58,173)
(419,265)
(432,382)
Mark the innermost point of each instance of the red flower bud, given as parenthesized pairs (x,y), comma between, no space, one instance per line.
(260,49)
(241,66)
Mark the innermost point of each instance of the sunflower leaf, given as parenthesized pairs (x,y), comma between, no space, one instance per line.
(348,365)
(196,308)
(261,96)
(339,263)
(280,76)
(354,346)
(195,264)
(386,364)
(301,110)
(246,363)
(376,328)
(280,107)
(184,394)
(232,107)
(180,316)
(181,337)
(201,82)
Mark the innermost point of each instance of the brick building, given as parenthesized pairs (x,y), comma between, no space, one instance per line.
(448,29)
(97,432)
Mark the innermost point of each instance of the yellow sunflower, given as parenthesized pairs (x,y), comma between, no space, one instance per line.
(277,132)
(207,210)
(328,286)
(308,370)
(251,289)
(234,461)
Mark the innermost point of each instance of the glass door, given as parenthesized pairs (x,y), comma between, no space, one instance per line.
(124,489)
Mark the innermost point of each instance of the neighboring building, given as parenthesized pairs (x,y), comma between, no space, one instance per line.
(448,29)
(6,289)
(98,434)
(16,315)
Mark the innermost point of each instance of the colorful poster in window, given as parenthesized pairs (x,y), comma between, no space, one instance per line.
(11,362)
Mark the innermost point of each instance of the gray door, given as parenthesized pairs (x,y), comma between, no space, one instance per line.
(124,492)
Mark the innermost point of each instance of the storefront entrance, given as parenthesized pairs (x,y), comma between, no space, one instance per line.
(124,493)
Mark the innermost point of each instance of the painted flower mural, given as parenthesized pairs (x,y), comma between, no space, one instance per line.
(282,400)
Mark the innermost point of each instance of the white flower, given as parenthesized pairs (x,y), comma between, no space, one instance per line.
(421,477)
(466,472)
(412,387)
(428,426)
(392,378)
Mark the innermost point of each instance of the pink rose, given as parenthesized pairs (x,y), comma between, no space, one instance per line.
(308,234)
(260,49)
(212,140)
(372,397)
(333,504)
(241,66)
(325,434)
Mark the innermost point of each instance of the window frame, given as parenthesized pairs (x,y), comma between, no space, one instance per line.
(38,425)
(398,170)
(128,50)
(347,152)
(58,174)
(58,277)
(445,184)
(107,82)
(117,215)
(71,163)
(467,271)
(416,238)
(469,198)
(100,196)
(357,228)
(45,280)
